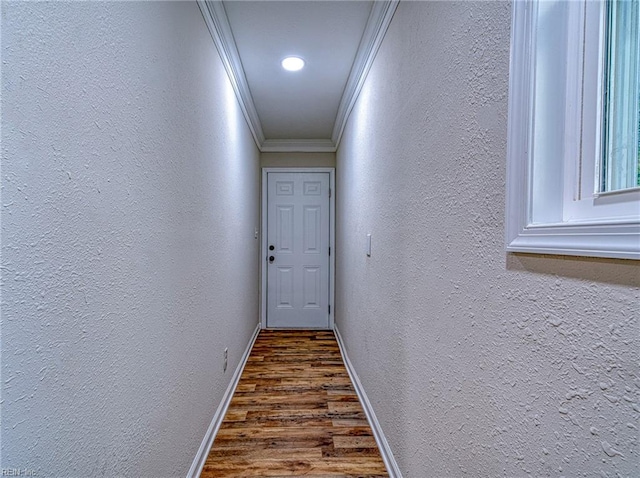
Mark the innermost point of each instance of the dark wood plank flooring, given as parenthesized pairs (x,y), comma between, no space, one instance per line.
(294,413)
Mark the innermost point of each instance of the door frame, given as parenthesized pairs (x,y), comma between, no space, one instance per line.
(332,238)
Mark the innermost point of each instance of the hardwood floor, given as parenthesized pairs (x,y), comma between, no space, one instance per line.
(294,413)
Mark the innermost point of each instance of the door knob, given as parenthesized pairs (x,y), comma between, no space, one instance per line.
(271,247)
(271,258)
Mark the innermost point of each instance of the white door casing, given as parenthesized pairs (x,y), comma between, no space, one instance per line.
(297,261)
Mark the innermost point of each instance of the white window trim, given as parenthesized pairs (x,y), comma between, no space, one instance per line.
(614,235)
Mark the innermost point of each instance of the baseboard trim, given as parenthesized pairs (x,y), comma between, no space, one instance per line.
(383,445)
(207,442)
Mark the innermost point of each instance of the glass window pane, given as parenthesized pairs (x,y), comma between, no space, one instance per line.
(621,155)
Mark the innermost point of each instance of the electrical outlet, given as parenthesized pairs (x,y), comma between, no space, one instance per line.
(226,356)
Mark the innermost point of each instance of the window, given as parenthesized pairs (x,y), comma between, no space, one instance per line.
(572,183)
(621,128)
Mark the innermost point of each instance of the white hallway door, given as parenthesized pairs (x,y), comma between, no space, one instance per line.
(298,219)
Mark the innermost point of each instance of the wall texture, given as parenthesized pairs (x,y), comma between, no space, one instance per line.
(129,202)
(298,160)
(477,363)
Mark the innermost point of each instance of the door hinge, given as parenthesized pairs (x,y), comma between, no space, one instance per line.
(329,192)
(329,251)
(329,310)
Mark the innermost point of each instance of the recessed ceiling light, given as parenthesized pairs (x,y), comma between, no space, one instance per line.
(293,63)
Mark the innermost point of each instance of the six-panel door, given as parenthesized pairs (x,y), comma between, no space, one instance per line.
(298,250)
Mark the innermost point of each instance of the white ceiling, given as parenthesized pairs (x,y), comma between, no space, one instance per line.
(326,34)
(304,110)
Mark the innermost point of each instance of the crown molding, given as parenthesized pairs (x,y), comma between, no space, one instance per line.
(377,25)
(217,22)
(298,146)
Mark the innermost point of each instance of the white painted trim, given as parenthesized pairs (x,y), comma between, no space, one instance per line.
(383,445)
(298,146)
(379,19)
(214,426)
(217,22)
(332,238)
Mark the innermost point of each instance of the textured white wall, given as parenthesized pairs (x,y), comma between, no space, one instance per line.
(129,201)
(298,160)
(477,363)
